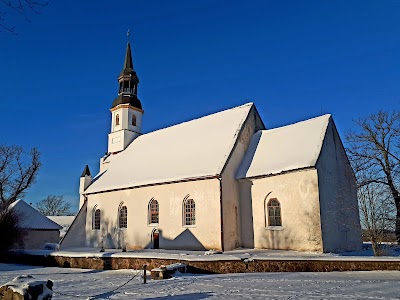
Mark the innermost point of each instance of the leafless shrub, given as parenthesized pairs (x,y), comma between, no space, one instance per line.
(11,233)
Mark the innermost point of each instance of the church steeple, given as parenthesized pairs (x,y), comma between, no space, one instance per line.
(126,109)
(128,65)
(128,83)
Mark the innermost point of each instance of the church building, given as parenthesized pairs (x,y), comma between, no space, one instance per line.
(222,181)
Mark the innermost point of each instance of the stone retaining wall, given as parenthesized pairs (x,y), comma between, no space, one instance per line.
(195,266)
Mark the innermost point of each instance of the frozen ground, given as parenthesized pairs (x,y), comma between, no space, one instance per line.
(334,285)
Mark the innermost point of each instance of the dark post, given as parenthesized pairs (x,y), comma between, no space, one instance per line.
(144,274)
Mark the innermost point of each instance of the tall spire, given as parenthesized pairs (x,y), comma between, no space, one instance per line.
(128,57)
(128,64)
(128,82)
(126,109)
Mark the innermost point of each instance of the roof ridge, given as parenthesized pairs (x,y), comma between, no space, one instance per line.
(198,118)
(201,145)
(299,122)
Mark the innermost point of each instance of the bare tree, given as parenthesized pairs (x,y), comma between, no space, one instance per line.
(374,151)
(54,206)
(18,171)
(377,214)
(22,8)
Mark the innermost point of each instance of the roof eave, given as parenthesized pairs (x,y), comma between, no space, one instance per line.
(154,184)
(277,174)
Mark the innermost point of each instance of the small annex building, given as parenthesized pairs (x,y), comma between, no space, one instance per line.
(63,221)
(38,229)
(221,181)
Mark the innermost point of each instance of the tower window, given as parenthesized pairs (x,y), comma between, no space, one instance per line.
(126,86)
(189,212)
(117,120)
(273,211)
(133,120)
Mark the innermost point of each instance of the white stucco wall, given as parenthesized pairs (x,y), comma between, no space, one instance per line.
(123,134)
(341,229)
(297,193)
(246,213)
(84,182)
(206,234)
(231,201)
(125,119)
(76,234)
(119,140)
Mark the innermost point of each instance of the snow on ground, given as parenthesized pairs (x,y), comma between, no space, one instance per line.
(333,285)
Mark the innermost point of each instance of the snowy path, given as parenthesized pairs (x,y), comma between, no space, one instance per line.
(346,285)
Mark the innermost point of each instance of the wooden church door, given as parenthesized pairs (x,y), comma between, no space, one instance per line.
(156,239)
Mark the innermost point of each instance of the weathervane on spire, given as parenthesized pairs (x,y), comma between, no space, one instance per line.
(128,34)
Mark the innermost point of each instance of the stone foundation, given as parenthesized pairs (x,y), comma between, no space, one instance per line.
(206,266)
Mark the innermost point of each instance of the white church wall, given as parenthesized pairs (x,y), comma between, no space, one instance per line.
(297,193)
(125,114)
(84,182)
(246,213)
(230,186)
(341,229)
(138,116)
(205,234)
(124,133)
(76,235)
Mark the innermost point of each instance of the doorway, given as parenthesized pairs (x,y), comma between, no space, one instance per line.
(156,238)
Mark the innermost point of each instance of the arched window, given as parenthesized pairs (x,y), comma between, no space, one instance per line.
(96,219)
(116,119)
(133,120)
(273,211)
(123,217)
(189,212)
(153,211)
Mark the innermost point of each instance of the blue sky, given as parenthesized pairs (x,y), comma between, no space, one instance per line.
(293,59)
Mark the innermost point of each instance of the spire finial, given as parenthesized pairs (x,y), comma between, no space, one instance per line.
(128,33)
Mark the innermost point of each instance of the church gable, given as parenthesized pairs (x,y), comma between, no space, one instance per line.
(338,196)
(283,149)
(190,150)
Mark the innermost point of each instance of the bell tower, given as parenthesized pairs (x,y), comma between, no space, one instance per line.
(126,109)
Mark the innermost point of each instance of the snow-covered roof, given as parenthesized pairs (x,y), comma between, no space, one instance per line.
(64,221)
(31,218)
(193,149)
(286,148)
